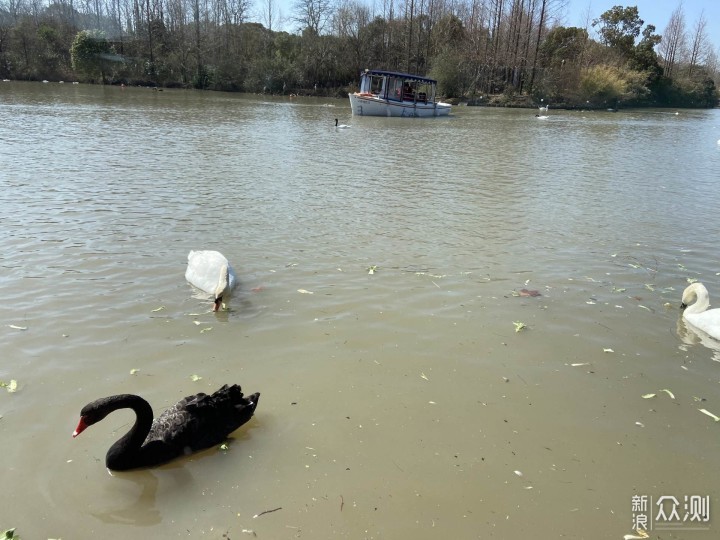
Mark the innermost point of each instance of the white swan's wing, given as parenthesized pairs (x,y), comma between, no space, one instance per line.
(707,321)
(203,270)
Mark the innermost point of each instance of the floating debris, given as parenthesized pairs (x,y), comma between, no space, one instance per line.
(303,291)
(16,327)
(711,415)
(526,292)
(519,325)
(10,387)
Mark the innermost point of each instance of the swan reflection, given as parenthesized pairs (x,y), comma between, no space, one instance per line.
(141,511)
(690,336)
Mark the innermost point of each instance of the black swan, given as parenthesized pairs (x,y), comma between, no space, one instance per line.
(192,424)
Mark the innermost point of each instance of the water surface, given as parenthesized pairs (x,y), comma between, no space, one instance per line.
(395,404)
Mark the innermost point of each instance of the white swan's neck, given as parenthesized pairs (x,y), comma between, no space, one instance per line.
(222,281)
(697,299)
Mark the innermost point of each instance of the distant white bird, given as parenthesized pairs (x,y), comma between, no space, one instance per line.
(341,126)
(695,302)
(544,109)
(544,117)
(211,272)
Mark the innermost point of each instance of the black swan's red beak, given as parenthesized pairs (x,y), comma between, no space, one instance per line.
(80,427)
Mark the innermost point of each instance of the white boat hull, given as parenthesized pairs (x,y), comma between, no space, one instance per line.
(372,105)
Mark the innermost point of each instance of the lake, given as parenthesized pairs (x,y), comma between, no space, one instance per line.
(462,327)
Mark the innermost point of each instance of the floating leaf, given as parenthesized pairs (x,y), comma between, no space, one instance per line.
(527,292)
(16,327)
(668,392)
(648,396)
(195,378)
(10,387)
(206,329)
(424,376)
(372,269)
(711,415)
(641,535)
(303,291)
(649,287)
(519,325)
(158,309)
(134,371)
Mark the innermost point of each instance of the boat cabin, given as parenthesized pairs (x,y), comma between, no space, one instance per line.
(399,87)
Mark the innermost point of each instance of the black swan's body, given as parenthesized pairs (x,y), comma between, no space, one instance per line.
(194,423)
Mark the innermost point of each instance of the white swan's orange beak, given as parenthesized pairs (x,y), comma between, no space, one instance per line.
(80,427)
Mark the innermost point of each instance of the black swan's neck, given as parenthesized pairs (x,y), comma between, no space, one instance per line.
(126,452)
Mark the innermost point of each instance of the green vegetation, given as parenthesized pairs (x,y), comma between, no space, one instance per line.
(474,48)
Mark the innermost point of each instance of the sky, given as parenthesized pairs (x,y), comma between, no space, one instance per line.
(576,13)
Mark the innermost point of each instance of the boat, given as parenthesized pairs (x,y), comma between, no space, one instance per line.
(389,93)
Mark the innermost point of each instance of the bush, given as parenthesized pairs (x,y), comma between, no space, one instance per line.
(602,85)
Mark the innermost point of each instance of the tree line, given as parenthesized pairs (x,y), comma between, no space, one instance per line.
(514,49)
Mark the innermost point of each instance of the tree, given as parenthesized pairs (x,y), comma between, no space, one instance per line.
(673,40)
(91,54)
(313,14)
(699,45)
(619,27)
(644,57)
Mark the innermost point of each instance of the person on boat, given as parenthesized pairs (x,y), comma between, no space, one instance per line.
(407,92)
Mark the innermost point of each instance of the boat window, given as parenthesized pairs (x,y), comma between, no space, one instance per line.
(376,85)
(395,88)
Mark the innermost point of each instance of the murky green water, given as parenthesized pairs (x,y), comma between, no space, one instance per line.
(400,404)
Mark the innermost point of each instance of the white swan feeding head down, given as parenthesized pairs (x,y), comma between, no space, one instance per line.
(212,273)
(695,303)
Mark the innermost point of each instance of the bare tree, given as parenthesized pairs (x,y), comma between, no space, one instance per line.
(269,13)
(313,14)
(673,40)
(699,45)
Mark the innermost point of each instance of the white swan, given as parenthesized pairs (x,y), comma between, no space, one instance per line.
(544,109)
(695,302)
(211,272)
(341,126)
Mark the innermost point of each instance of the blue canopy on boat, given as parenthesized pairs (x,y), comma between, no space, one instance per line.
(407,76)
